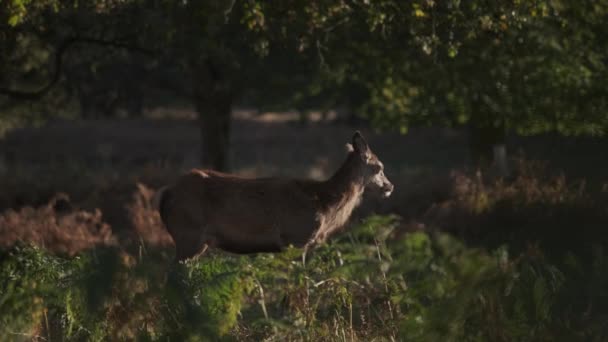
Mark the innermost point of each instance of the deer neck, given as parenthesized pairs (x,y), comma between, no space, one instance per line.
(343,192)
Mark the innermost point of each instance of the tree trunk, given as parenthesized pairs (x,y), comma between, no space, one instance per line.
(213,100)
(214,120)
(487,146)
(500,160)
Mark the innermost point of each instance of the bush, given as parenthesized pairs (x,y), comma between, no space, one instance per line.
(56,227)
(370,283)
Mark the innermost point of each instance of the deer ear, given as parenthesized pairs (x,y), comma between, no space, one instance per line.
(360,145)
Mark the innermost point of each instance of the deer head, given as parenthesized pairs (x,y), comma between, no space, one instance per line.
(372,170)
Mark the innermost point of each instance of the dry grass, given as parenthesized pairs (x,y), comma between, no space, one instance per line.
(145,219)
(55,227)
(58,227)
(536,207)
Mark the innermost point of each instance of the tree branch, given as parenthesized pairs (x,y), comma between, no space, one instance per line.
(59,54)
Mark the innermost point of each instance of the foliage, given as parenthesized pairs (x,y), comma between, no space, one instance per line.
(525,66)
(29,279)
(371,283)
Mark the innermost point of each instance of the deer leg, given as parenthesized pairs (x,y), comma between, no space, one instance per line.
(199,253)
(209,242)
(318,237)
(307,246)
(192,245)
(185,251)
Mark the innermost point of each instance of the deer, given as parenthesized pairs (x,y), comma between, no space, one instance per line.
(208,209)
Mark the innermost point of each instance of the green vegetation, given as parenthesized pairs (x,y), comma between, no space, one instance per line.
(517,259)
(368,284)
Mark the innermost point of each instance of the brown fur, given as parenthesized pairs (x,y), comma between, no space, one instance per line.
(206,208)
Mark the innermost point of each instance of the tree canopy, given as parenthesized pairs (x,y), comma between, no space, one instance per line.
(521,66)
(529,66)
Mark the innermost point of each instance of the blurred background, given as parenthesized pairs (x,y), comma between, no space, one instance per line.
(489,116)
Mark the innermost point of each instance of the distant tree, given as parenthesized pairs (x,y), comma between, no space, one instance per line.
(215,51)
(53,52)
(496,67)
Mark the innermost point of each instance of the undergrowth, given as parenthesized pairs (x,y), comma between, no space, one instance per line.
(369,284)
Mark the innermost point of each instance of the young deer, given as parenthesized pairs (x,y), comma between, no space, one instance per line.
(205,208)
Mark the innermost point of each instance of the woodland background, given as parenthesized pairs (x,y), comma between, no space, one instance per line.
(489,116)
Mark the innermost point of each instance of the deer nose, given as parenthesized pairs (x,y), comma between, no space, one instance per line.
(387,189)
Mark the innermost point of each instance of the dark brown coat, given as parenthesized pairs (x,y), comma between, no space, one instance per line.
(205,208)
